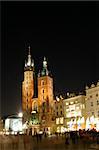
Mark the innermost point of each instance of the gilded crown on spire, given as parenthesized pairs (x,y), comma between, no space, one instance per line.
(29,64)
(44,58)
(44,63)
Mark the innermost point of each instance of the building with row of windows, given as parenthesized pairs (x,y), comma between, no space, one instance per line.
(80,111)
(56,115)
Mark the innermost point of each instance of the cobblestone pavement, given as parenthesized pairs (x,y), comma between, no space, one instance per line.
(51,143)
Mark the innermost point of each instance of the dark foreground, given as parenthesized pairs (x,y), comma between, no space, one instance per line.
(24,142)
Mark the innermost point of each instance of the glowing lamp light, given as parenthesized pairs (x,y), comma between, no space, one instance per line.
(87,124)
(33,112)
(66,103)
(92,119)
(97,124)
(82,120)
(57,98)
(20,115)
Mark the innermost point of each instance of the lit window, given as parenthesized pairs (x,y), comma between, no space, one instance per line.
(68,115)
(83,106)
(71,102)
(66,103)
(91,103)
(77,108)
(67,110)
(61,120)
(57,120)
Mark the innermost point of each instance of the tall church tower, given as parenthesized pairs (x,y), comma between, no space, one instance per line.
(45,97)
(28,86)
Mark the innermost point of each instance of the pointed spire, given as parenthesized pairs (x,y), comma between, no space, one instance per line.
(44,70)
(44,63)
(29,57)
(39,73)
(29,50)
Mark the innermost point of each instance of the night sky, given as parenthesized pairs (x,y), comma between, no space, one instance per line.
(67,33)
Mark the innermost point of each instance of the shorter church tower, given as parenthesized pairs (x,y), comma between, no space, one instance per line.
(27,86)
(45,97)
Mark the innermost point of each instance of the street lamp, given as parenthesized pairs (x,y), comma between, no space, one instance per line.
(20,115)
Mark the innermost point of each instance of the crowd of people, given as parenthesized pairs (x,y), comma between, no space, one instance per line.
(89,136)
(27,142)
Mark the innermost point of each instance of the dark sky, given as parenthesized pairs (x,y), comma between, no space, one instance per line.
(66,33)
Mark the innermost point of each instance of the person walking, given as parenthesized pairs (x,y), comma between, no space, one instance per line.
(66,138)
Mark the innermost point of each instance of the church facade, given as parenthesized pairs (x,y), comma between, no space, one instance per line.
(38,111)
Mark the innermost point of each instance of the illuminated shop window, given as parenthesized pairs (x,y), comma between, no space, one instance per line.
(77,108)
(58,129)
(67,110)
(83,106)
(68,115)
(72,107)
